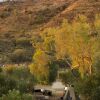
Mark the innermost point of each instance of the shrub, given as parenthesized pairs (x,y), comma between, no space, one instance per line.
(52,72)
(16,95)
(23,42)
(20,56)
(12,95)
(8,69)
(4,15)
(22,86)
(89,87)
(0,69)
(28,97)
(23,73)
(6,84)
(20,79)
(67,77)
(4,59)
(24,79)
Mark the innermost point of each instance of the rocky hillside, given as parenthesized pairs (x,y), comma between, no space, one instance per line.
(23,17)
(20,20)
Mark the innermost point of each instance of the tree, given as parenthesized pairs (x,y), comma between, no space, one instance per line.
(72,40)
(53,71)
(39,67)
(43,66)
(16,95)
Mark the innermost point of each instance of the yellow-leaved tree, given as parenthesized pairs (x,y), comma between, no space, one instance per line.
(39,66)
(72,40)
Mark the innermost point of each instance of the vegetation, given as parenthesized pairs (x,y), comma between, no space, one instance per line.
(70,43)
(17,50)
(6,84)
(69,50)
(29,17)
(16,95)
(89,86)
(18,78)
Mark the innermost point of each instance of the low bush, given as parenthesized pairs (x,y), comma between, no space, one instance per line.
(67,77)
(19,78)
(16,95)
(20,56)
(23,42)
(8,69)
(0,69)
(4,15)
(6,84)
(24,86)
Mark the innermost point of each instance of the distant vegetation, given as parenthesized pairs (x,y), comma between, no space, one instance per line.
(32,53)
(18,78)
(16,95)
(71,43)
(16,50)
(69,46)
(19,22)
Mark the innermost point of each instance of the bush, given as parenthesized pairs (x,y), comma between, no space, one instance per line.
(28,97)
(4,59)
(52,72)
(0,69)
(96,94)
(67,77)
(8,69)
(20,79)
(24,87)
(4,15)
(89,87)
(16,95)
(41,16)
(6,84)
(23,42)
(24,79)
(23,73)
(20,56)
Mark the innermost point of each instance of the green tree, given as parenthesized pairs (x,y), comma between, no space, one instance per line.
(53,71)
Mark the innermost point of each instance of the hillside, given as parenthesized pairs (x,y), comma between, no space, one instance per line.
(85,7)
(27,16)
(19,21)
